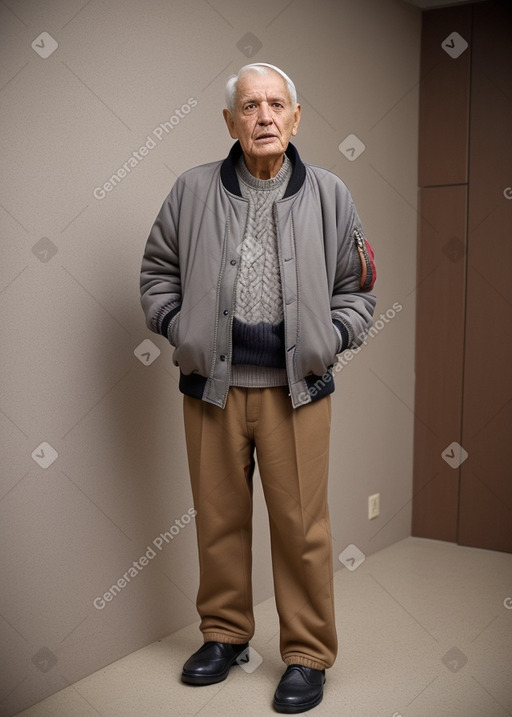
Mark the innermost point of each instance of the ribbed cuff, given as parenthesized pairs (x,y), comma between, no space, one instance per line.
(343,331)
(164,324)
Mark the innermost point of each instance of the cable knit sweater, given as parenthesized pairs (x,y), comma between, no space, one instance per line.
(258,329)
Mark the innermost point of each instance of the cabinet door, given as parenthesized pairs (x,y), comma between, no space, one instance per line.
(485,505)
(439,359)
(444,97)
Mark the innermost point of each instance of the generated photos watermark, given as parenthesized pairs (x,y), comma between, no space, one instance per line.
(138,565)
(347,355)
(159,133)
(352,557)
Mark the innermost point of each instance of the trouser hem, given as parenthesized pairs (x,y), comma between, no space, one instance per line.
(306,661)
(222,637)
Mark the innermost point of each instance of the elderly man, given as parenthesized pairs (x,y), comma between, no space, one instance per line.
(257,271)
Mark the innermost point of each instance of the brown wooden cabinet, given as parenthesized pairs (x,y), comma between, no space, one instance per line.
(464,291)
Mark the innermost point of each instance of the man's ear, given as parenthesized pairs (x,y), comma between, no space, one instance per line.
(230,123)
(296,118)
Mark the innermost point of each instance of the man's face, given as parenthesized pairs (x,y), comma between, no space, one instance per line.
(264,117)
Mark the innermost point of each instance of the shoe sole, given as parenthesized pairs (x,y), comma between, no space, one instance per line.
(191,679)
(296,709)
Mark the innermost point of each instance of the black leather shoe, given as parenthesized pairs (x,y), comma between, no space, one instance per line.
(212,662)
(300,689)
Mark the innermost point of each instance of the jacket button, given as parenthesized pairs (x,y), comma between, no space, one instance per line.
(225,312)
(233,262)
(222,357)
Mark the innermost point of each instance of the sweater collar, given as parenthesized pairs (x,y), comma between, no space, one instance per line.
(230,180)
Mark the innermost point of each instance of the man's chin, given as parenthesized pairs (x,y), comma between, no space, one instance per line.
(267,149)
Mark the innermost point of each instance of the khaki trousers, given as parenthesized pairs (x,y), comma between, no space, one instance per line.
(292,449)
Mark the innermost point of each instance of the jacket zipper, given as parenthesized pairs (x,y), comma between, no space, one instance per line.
(366,267)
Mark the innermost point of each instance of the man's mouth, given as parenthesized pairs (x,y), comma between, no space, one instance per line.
(265,136)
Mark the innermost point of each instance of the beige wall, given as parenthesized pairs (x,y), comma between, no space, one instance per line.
(72,319)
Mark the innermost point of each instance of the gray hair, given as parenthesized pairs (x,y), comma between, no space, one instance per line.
(262,68)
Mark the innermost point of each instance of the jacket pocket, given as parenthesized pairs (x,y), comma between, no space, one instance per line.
(192,338)
(318,346)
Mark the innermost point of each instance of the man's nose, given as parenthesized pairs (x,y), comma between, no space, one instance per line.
(264,115)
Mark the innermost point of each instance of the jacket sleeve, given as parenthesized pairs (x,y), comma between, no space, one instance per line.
(352,306)
(160,281)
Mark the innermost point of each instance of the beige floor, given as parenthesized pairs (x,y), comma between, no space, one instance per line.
(425,630)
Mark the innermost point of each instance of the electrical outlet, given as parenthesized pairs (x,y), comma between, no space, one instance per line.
(373,506)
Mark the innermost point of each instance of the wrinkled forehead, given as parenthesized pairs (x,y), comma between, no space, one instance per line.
(253,85)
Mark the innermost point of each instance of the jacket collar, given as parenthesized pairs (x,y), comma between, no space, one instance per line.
(230,180)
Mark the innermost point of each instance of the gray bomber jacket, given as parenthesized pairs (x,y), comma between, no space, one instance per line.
(190,265)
